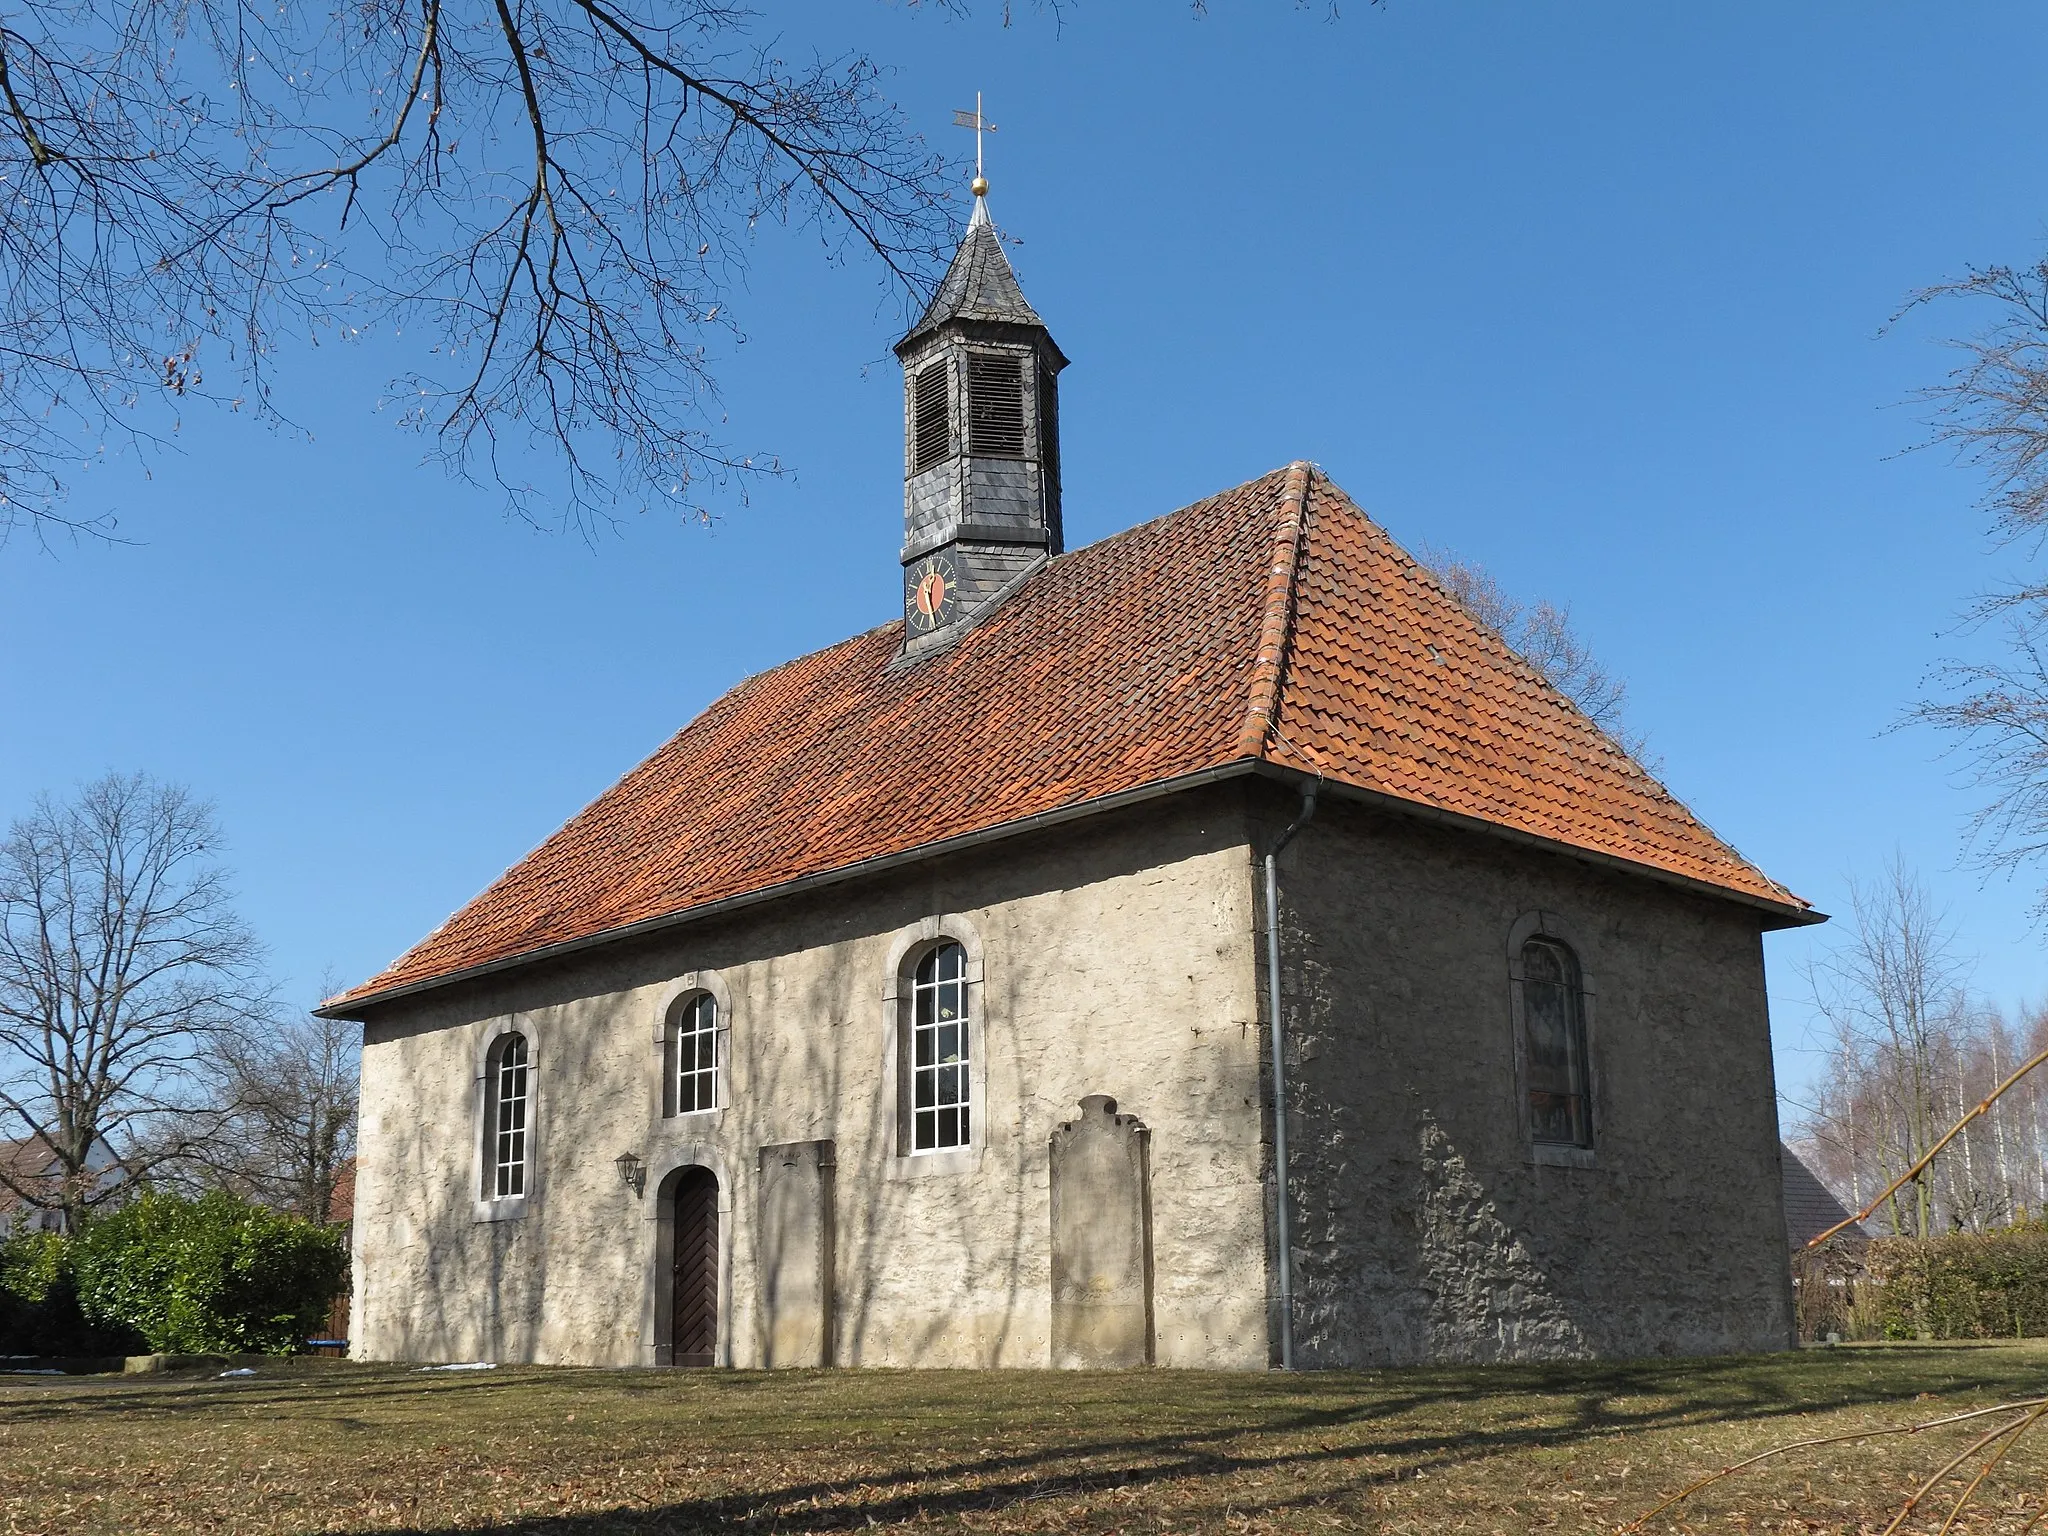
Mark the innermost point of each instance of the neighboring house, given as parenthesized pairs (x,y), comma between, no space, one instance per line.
(341,1205)
(33,1162)
(1810,1210)
(341,1212)
(911,1006)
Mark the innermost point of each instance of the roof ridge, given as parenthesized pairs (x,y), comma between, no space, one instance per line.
(1269,662)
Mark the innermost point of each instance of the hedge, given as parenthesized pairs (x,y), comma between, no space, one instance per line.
(1964,1286)
(214,1274)
(39,1310)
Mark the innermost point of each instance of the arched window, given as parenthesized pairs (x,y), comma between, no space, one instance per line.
(508,1090)
(939,1081)
(1556,1074)
(690,1059)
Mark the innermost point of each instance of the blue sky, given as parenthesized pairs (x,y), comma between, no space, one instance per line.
(1592,295)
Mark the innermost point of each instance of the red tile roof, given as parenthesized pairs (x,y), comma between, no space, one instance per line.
(341,1204)
(1275,622)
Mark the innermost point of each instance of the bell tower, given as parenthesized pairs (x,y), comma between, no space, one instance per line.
(981,457)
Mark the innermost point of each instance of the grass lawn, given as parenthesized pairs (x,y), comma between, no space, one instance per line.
(322,1445)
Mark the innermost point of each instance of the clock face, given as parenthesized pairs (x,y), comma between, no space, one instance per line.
(931,594)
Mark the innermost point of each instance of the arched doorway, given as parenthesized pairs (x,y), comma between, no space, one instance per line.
(693,1281)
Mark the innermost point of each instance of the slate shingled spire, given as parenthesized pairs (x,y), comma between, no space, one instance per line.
(981,492)
(979,284)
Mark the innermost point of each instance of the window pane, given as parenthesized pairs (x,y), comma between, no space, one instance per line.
(1554,1045)
(696,1054)
(1550,1044)
(938,1049)
(506,1088)
(1543,963)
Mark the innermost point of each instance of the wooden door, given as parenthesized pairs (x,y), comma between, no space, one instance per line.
(695,1281)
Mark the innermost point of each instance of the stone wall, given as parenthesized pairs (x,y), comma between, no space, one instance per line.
(1113,957)
(1425,1226)
(1120,956)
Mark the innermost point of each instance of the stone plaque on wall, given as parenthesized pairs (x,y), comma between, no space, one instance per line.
(1101,1239)
(796,1253)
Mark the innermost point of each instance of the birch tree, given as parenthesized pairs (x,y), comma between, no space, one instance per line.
(1892,993)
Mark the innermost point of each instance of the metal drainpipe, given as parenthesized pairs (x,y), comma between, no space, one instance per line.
(1280,1224)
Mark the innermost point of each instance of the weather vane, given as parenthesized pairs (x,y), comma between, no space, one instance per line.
(980,125)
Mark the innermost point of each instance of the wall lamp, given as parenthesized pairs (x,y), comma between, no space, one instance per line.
(632,1172)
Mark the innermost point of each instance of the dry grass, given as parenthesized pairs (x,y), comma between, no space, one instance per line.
(320,1445)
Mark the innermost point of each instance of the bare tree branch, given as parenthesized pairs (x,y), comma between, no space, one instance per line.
(122,963)
(1542,635)
(211,180)
(288,1090)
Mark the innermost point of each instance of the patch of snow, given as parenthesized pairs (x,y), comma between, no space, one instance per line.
(467,1365)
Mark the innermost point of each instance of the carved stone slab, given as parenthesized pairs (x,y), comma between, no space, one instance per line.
(1101,1239)
(796,1239)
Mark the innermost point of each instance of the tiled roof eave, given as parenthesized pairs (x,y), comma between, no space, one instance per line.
(1271,628)
(1782,914)
(1788,913)
(350,1005)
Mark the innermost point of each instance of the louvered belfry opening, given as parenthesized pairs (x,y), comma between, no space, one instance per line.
(695,1278)
(981,484)
(995,405)
(932,427)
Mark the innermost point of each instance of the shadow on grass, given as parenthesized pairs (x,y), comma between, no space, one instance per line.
(1559,1407)
(1200,1438)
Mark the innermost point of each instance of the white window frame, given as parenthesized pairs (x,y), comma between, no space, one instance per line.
(664,1108)
(958,1069)
(908,946)
(507,1090)
(487,1204)
(706,1084)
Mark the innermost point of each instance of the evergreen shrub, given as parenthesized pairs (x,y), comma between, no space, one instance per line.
(39,1310)
(1991,1285)
(212,1275)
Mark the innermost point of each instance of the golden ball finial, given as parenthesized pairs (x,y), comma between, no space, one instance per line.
(979,186)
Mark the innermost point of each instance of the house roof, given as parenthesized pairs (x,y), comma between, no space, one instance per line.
(30,1160)
(979,285)
(1274,626)
(1809,1209)
(341,1204)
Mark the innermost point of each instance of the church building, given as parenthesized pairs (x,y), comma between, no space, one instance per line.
(1211,946)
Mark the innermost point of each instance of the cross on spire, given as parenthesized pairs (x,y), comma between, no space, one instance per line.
(980,125)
